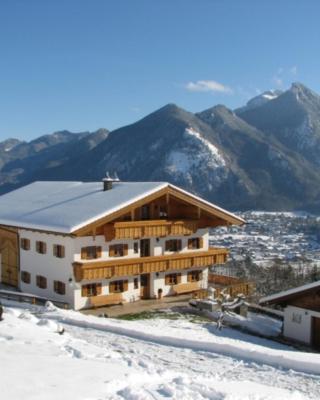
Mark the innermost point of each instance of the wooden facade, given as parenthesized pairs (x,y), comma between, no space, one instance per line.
(9,249)
(138,266)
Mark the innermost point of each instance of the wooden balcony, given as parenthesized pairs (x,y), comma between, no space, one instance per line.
(143,265)
(149,228)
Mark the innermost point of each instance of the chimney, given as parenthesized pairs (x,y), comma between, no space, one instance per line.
(108,181)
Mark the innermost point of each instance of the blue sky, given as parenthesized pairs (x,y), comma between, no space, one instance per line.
(84,64)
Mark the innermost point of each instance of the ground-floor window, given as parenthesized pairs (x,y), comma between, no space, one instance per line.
(173,279)
(136,283)
(118,286)
(59,287)
(92,289)
(194,276)
(41,281)
(25,276)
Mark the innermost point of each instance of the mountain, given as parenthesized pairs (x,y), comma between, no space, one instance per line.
(293,118)
(260,156)
(25,162)
(259,100)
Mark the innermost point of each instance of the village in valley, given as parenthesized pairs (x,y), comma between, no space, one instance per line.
(289,237)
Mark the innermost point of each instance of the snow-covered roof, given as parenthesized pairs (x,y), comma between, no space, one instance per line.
(273,298)
(67,206)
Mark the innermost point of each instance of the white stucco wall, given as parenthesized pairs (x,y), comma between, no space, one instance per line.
(47,265)
(297,323)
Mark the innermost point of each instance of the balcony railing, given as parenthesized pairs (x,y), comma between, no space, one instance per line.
(143,265)
(150,228)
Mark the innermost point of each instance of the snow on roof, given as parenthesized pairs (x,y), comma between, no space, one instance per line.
(68,206)
(289,292)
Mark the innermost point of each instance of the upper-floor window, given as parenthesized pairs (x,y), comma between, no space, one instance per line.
(145,212)
(136,247)
(25,276)
(195,243)
(41,282)
(118,286)
(172,279)
(163,212)
(194,276)
(118,250)
(90,252)
(173,245)
(41,247)
(59,287)
(58,250)
(25,244)
(91,289)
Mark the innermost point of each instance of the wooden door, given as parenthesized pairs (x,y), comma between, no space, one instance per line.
(316,332)
(145,247)
(145,286)
(9,257)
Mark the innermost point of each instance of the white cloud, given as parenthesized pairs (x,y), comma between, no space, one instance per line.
(207,86)
(278,81)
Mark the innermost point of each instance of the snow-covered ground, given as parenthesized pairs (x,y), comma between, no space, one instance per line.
(98,358)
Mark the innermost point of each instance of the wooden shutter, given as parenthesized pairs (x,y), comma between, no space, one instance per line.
(62,251)
(44,247)
(200,243)
(84,291)
(125,249)
(125,286)
(111,251)
(179,245)
(167,279)
(190,244)
(189,277)
(111,287)
(98,288)
(168,242)
(178,278)
(98,251)
(83,253)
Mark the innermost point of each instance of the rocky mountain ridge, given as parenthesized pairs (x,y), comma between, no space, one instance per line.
(260,156)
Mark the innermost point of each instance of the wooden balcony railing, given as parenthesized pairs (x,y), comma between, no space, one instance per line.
(142,265)
(150,228)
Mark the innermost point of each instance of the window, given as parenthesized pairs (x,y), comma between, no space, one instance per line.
(25,276)
(173,245)
(195,243)
(59,287)
(41,247)
(136,247)
(194,276)
(90,252)
(136,283)
(25,244)
(172,279)
(163,212)
(145,212)
(296,318)
(118,286)
(118,250)
(41,282)
(92,289)
(58,250)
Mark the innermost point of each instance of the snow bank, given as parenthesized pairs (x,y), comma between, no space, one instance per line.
(298,361)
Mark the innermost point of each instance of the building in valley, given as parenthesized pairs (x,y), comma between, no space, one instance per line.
(94,243)
(301,312)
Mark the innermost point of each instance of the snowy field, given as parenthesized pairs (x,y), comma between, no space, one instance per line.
(152,359)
